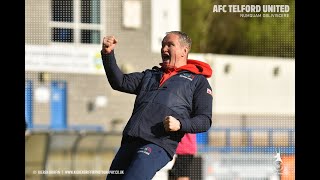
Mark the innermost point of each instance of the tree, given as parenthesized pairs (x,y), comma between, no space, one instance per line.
(228,33)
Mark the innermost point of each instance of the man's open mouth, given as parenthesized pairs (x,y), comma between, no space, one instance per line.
(165,57)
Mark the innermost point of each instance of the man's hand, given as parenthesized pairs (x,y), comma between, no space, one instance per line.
(171,124)
(108,44)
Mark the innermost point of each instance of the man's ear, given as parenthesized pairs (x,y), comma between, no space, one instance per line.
(185,51)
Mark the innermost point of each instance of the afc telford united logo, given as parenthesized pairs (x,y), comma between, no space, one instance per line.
(253,10)
(145,150)
(278,166)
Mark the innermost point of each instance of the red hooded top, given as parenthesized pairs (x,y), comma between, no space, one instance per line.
(194,66)
(188,144)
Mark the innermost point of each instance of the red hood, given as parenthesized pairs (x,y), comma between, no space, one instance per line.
(197,67)
(194,66)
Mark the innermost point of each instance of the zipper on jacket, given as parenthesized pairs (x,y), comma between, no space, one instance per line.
(135,124)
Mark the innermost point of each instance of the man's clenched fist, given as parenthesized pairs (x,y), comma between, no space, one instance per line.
(108,44)
(171,124)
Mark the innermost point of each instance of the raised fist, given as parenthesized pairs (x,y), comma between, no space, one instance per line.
(108,44)
(171,124)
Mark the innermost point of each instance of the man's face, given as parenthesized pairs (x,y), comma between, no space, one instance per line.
(172,51)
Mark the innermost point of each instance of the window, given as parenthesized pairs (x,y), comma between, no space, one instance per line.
(276,71)
(62,35)
(90,36)
(62,10)
(76,21)
(90,11)
(227,68)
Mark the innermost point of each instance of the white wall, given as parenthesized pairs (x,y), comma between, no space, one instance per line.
(250,86)
(74,59)
(165,16)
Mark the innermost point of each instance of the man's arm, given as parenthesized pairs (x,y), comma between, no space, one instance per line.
(122,82)
(201,118)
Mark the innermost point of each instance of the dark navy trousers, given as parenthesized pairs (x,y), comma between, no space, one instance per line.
(137,160)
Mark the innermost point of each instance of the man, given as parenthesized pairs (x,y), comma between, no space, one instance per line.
(171,101)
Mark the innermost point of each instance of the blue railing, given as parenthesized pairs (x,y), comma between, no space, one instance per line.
(203,140)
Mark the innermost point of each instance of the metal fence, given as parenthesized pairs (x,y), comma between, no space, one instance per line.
(69,154)
(262,140)
(84,154)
